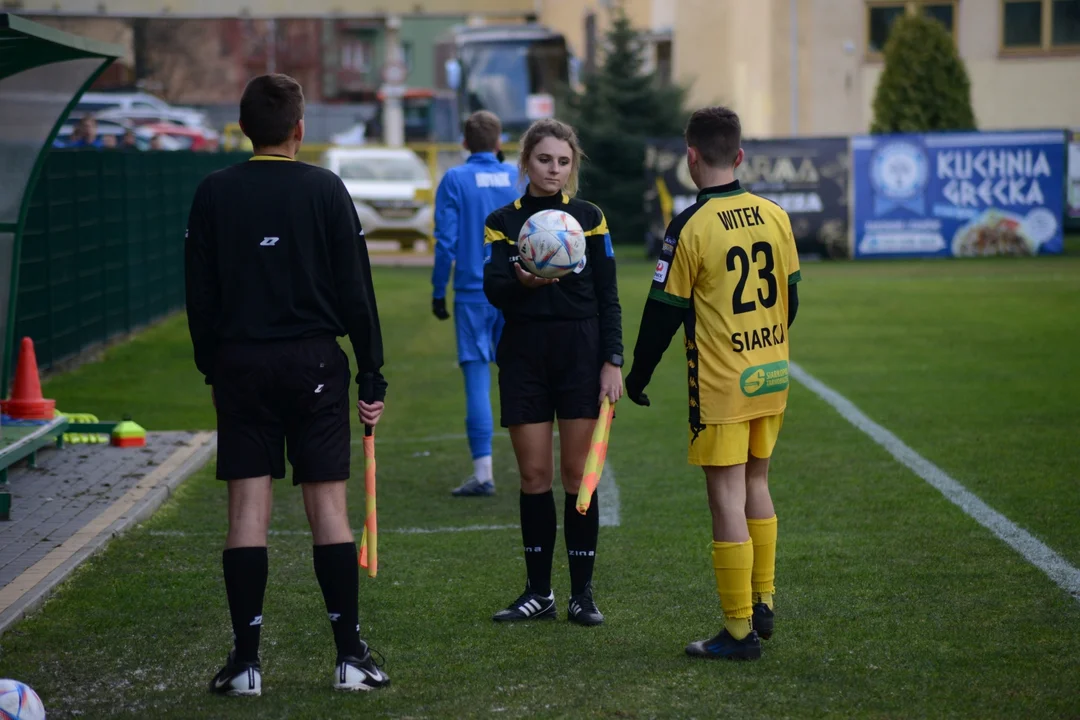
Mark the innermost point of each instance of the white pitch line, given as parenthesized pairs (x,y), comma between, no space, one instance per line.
(610,506)
(356,531)
(406,440)
(1031,548)
(610,516)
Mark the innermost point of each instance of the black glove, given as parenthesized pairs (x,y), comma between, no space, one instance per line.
(634,389)
(438,306)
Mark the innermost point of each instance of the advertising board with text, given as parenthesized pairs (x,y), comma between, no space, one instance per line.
(959,194)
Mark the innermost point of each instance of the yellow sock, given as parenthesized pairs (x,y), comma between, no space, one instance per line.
(733,563)
(763,535)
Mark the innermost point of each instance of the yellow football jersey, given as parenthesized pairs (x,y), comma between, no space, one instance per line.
(729,259)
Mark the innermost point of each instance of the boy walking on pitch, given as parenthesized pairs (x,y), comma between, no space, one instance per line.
(727,273)
(467,194)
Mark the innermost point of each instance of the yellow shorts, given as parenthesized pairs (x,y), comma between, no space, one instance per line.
(722,445)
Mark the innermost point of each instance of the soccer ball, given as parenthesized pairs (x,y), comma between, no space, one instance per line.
(19,702)
(551,243)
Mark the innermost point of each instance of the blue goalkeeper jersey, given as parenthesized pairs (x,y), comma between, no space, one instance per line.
(466,196)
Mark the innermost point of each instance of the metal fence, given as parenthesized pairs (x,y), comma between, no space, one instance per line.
(103,246)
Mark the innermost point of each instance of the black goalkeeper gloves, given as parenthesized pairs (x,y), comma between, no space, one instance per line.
(438,307)
(634,390)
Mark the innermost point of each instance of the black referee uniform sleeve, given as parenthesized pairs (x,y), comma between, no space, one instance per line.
(501,284)
(201,284)
(606,286)
(356,294)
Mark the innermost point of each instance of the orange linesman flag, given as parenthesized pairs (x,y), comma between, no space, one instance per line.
(594,464)
(369,541)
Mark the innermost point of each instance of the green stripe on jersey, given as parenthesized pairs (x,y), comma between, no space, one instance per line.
(668,298)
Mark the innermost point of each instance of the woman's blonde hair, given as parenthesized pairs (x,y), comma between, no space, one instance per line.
(550,127)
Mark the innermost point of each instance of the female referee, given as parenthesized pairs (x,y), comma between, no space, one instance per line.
(559,355)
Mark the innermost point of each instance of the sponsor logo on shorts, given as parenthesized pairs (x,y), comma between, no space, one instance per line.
(661,271)
(764,379)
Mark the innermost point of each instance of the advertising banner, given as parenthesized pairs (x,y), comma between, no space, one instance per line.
(959,194)
(807,177)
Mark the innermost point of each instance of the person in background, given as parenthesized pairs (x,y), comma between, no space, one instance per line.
(85,134)
(467,194)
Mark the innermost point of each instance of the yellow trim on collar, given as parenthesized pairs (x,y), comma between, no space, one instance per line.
(272,157)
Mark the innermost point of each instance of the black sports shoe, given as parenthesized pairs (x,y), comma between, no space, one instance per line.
(530,606)
(763,621)
(237,678)
(359,673)
(726,647)
(583,610)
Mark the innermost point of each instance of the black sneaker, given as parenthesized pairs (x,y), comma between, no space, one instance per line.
(726,647)
(583,610)
(530,606)
(763,621)
(359,673)
(237,678)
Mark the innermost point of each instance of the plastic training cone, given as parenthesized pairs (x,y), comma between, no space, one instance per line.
(26,402)
(128,433)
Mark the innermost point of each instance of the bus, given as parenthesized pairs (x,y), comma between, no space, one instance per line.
(515,71)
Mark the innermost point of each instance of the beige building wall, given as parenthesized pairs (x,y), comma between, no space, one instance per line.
(738,52)
(568,17)
(1007,92)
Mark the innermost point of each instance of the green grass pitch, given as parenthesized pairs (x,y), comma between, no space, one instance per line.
(891,601)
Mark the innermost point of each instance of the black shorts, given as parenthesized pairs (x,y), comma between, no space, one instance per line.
(549,369)
(270,394)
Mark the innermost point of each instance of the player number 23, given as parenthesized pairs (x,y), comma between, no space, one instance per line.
(765,273)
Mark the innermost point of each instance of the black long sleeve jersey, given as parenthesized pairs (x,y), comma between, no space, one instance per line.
(589,291)
(275,251)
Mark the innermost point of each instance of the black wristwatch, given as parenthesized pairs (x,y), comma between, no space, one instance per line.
(616,360)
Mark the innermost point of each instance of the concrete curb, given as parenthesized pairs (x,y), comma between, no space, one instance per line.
(141,510)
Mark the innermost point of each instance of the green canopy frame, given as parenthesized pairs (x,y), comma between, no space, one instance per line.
(43,73)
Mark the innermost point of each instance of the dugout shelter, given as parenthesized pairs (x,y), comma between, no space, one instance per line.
(43,73)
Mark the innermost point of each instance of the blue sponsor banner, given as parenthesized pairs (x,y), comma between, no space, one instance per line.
(959,194)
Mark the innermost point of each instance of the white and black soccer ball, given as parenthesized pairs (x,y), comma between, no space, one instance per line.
(18,701)
(551,243)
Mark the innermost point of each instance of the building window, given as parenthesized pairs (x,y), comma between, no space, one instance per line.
(1040,26)
(663,61)
(881,15)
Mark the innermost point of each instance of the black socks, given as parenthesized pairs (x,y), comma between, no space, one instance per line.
(339,577)
(245,571)
(580,533)
(538,535)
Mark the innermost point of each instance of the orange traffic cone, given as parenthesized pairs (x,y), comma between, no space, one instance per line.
(26,402)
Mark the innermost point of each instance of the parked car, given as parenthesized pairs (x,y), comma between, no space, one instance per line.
(188,138)
(145,117)
(390,187)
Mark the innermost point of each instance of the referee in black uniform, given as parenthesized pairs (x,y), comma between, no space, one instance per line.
(277,270)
